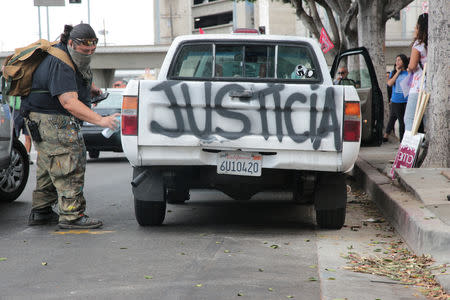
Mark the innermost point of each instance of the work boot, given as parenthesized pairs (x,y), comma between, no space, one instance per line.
(82,223)
(42,216)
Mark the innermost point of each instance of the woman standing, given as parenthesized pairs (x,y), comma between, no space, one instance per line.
(416,63)
(398,100)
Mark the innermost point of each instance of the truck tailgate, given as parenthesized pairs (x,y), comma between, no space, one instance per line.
(240,115)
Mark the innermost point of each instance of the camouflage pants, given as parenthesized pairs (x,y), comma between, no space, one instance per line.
(61,164)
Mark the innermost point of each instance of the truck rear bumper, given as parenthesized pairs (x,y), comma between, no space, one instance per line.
(282,159)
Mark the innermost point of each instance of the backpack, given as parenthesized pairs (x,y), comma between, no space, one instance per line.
(19,67)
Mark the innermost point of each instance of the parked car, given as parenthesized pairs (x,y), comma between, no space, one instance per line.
(14,160)
(92,134)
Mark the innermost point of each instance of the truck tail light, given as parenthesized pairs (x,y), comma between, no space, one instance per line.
(129,115)
(352,122)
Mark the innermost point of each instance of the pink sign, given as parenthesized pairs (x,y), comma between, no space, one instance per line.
(407,152)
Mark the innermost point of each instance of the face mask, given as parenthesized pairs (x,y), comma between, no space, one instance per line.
(82,61)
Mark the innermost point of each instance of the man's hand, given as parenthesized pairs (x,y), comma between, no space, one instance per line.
(110,121)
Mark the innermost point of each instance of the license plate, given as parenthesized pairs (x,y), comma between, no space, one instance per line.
(239,163)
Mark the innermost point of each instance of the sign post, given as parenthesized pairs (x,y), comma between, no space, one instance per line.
(46,3)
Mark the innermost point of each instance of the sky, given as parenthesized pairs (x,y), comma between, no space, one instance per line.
(128,22)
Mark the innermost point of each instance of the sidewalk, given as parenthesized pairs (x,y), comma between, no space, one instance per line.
(415,203)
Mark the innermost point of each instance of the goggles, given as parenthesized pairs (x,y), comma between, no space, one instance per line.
(86,42)
(342,73)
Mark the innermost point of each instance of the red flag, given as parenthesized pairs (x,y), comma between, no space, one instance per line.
(201,31)
(325,42)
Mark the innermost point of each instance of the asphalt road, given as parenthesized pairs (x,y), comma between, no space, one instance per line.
(210,248)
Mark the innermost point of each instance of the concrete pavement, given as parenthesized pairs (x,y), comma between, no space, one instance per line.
(416,203)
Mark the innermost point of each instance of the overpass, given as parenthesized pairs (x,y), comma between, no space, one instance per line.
(110,58)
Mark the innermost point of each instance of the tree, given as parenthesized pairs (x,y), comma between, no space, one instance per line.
(372,18)
(370,31)
(438,112)
(343,35)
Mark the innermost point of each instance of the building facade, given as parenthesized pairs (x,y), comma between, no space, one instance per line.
(182,17)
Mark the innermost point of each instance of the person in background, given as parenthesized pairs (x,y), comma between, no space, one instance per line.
(417,60)
(389,88)
(398,100)
(342,79)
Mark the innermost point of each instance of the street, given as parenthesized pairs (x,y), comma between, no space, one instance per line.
(209,248)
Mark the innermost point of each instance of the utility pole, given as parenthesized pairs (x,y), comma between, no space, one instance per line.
(104,33)
(171,21)
(47,3)
(39,18)
(48,26)
(89,12)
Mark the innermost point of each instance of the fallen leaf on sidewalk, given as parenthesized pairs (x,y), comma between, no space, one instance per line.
(3,258)
(148,277)
(400,265)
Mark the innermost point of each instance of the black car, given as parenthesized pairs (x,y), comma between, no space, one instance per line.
(92,134)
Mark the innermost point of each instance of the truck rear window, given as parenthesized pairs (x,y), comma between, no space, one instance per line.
(194,61)
(258,61)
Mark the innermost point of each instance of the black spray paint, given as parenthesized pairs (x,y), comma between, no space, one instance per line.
(314,134)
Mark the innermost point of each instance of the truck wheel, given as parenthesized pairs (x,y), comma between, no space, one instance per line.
(149,213)
(177,196)
(14,178)
(330,200)
(331,218)
(149,202)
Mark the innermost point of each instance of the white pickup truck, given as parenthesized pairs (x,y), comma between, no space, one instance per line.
(248,113)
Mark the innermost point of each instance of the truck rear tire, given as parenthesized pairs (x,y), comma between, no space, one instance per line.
(331,218)
(149,213)
(149,202)
(330,200)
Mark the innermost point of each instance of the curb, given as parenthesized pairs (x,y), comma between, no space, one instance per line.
(421,229)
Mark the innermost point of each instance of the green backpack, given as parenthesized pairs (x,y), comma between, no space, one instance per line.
(18,68)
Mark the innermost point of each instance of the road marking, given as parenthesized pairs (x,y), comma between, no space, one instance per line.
(83,231)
